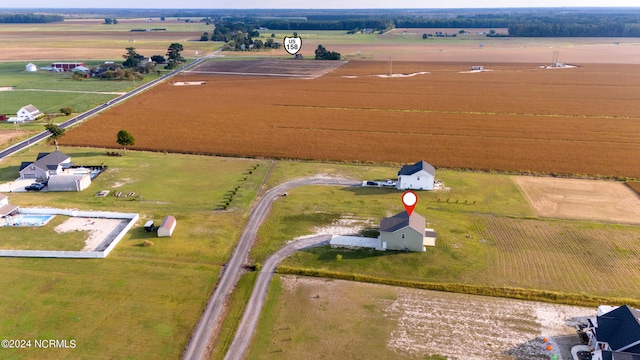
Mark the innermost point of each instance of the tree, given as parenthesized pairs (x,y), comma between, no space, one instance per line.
(173,55)
(323,54)
(66,110)
(158,59)
(56,132)
(125,139)
(132,58)
(425,36)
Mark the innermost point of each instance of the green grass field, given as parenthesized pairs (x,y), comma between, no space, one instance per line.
(140,302)
(487,236)
(79,95)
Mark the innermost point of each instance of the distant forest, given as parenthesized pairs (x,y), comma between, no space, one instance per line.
(624,24)
(521,22)
(29,18)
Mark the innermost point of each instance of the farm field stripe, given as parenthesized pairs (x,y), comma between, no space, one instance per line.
(460,112)
(448,135)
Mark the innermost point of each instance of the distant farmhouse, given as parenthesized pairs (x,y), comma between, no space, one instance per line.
(404,232)
(419,176)
(26,113)
(66,66)
(615,333)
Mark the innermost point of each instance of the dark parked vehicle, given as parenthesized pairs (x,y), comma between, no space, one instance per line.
(34,187)
(584,355)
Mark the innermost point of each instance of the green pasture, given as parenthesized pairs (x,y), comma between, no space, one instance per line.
(49,91)
(140,302)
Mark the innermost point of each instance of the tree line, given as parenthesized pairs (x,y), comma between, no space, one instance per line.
(529,24)
(29,18)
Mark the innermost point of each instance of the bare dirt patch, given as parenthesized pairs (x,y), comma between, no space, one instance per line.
(581,199)
(413,323)
(8,135)
(101,231)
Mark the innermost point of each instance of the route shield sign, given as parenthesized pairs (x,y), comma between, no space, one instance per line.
(292,44)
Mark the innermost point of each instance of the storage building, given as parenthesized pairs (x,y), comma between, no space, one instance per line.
(167,226)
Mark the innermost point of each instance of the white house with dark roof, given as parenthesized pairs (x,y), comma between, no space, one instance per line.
(45,166)
(404,232)
(419,176)
(615,334)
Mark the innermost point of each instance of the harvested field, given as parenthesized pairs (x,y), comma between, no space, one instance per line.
(315,316)
(581,199)
(268,67)
(517,117)
(561,256)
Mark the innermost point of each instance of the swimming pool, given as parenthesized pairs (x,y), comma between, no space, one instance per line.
(29,220)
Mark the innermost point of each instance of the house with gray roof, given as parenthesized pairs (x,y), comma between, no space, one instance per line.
(45,166)
(406,232)
(419,176)
(26,113)
(6,209)
(615,334)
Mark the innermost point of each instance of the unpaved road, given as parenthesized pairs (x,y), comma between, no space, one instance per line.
(197,348)
(247,326)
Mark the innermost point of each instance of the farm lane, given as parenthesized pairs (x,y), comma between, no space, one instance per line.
(249,321)
(197,347)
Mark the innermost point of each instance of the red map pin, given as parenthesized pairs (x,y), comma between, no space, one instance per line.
(409,200)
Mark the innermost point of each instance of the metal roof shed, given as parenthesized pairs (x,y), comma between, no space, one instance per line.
(167,226)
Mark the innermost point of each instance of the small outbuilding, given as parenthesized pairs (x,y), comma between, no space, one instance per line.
(6,209)
(419,176)
(69,182)
(167,226)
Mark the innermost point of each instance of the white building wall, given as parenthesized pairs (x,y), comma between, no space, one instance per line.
(421,180)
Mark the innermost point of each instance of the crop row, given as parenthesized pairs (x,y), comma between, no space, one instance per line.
(565,256)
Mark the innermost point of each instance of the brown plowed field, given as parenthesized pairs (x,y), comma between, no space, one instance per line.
(583,120)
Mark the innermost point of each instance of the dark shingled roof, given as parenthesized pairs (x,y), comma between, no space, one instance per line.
(420,165)
(51,161)
(25,164)
(620,328)
(614,355)
(402,220)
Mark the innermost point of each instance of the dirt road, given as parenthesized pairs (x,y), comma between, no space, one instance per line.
(212,316)
(247,326)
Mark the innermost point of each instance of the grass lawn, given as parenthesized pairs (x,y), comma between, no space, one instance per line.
(42,237)
(140,302)
(487,235)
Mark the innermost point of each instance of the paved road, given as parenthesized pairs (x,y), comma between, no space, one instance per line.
(43,135)
(198,346)
(249,321)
